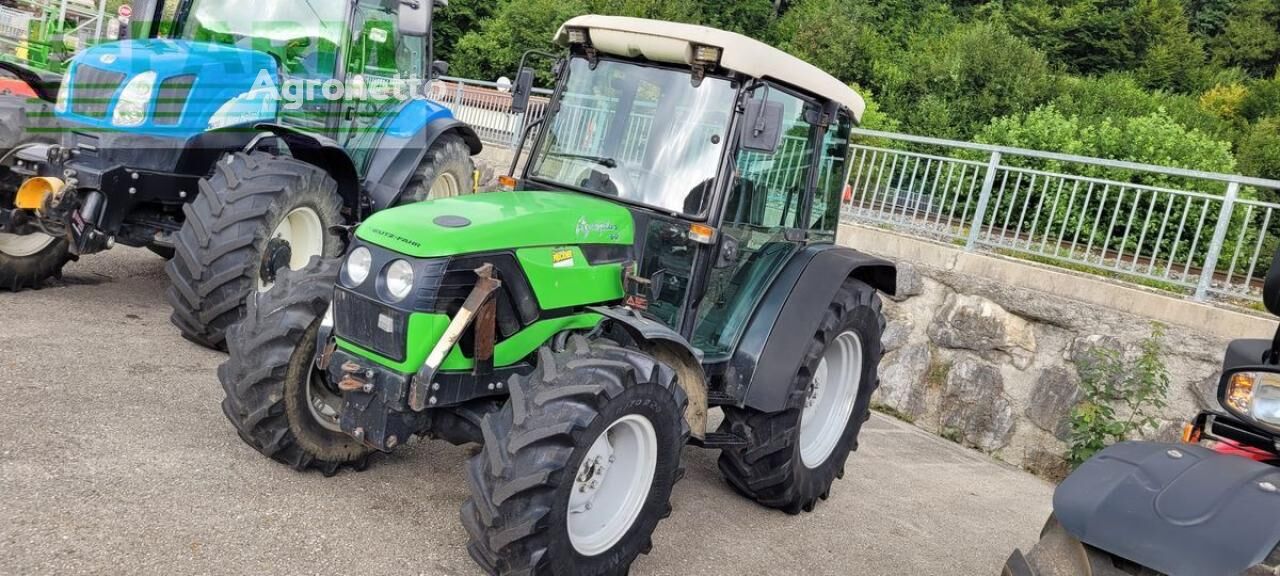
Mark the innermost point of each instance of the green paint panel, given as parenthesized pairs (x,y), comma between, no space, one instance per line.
(561,277)
(499,221)
(427,329)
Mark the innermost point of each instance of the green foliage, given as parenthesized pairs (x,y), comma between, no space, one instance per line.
(1260,150)
(1120,398)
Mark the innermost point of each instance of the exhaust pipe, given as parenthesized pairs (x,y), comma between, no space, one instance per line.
(35,192)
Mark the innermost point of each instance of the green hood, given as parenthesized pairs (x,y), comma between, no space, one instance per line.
(497,221)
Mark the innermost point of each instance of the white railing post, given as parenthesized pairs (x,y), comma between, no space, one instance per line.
(1219,238)
(980,213)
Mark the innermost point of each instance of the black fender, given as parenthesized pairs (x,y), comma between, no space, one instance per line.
(324,153)
(395,159)
(1175,508)
(646,330)
(44,84)
(760,373)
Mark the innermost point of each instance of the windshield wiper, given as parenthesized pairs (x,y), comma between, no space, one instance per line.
(601,160)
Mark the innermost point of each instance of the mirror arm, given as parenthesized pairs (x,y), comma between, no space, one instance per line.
(1273,355)
(524,137)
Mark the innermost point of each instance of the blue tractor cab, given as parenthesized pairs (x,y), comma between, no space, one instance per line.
(234,145)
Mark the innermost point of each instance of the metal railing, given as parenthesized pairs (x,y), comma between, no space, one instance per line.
(1203,234)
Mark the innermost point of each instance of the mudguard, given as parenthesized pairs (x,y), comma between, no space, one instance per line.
(404,144)
(44,84)
(774,343)
(1175,508)
(325,153)
(646,329)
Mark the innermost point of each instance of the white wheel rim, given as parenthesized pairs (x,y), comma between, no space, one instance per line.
(445,186)
(325,407)
(612,484)
(23,246)
(830,401)
(304,232)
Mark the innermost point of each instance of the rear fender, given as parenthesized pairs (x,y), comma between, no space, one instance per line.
(769,354)
(326,154)
(44,84)
(1175,508)
(403,146)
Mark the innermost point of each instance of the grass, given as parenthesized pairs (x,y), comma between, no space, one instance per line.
(936,377)
(892,412)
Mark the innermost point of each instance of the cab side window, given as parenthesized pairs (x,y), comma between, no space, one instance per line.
(833,171)
(770,187)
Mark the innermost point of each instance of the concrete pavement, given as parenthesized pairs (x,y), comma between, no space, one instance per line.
(115,459)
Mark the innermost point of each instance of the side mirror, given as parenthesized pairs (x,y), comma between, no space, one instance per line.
(1271,287)
(414,19)
(762,126)
(439,68)
(522,91)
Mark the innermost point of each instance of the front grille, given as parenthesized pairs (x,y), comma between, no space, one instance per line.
(369,324)
(173,99)
(92,90)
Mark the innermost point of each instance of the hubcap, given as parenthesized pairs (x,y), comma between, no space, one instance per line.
(301,233)
(612,484)
(325,405)
(22,246)
(445,186)
(830,401)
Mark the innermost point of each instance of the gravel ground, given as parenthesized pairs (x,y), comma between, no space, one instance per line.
(115,459)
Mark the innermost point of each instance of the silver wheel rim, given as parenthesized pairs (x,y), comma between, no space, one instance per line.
(612,484)
(304,232)
(445,186)
(831,397)
(23,246)
(325,406)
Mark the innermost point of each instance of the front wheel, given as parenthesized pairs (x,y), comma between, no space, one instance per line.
(27,261)
(276,398)
(256,215)
(447,171)
(577,468)
(792,457)
(1058,553)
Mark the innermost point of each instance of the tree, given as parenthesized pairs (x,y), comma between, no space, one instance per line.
(1260,150)
(1251,37)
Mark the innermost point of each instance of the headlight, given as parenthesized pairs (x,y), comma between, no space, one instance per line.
(131,108)
(399,280)
(1254,395)
(64,94)
(356,269)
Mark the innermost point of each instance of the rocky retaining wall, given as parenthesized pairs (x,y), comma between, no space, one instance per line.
(982,349)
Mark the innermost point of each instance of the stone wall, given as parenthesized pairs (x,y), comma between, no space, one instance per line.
(975,355)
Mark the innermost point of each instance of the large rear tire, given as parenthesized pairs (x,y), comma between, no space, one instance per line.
(256,215)
(577,468)
(275,396)
(446,171)
(792,457)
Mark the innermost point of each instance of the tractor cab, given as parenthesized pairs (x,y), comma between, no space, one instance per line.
(669,249)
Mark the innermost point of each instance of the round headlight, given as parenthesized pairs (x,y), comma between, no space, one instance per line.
(356,270)
(1255,396)
(399,280)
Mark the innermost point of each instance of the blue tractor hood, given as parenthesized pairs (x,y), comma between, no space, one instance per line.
(192,82)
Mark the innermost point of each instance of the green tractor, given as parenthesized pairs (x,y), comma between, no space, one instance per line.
(671,250)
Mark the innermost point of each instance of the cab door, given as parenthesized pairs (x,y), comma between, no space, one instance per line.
(764,219)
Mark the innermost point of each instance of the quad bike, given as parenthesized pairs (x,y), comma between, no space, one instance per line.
(671,250)
(1207,507)
(225,149)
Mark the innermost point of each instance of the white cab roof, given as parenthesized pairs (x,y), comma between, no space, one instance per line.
(671,42)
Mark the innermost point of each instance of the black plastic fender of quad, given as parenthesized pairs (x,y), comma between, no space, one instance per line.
(760,373)
(325,153)
(395,159)
(1175,508)
(44,84)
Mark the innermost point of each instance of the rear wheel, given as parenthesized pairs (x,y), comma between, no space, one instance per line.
(792,457)
(577,468)
(276,398)
(257,215)
(447,171)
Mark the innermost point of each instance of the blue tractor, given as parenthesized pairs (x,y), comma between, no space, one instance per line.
(239,144)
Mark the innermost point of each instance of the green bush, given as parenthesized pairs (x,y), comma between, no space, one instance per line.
(1120,398)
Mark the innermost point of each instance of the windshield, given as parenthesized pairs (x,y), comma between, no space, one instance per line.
(639,133)
(304,35)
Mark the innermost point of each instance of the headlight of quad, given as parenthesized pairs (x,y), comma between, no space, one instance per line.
(131,108)
(356,268)
(1254,395)
(399,280)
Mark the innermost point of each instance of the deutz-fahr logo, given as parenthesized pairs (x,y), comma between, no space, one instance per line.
(396,237)
(586,229)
